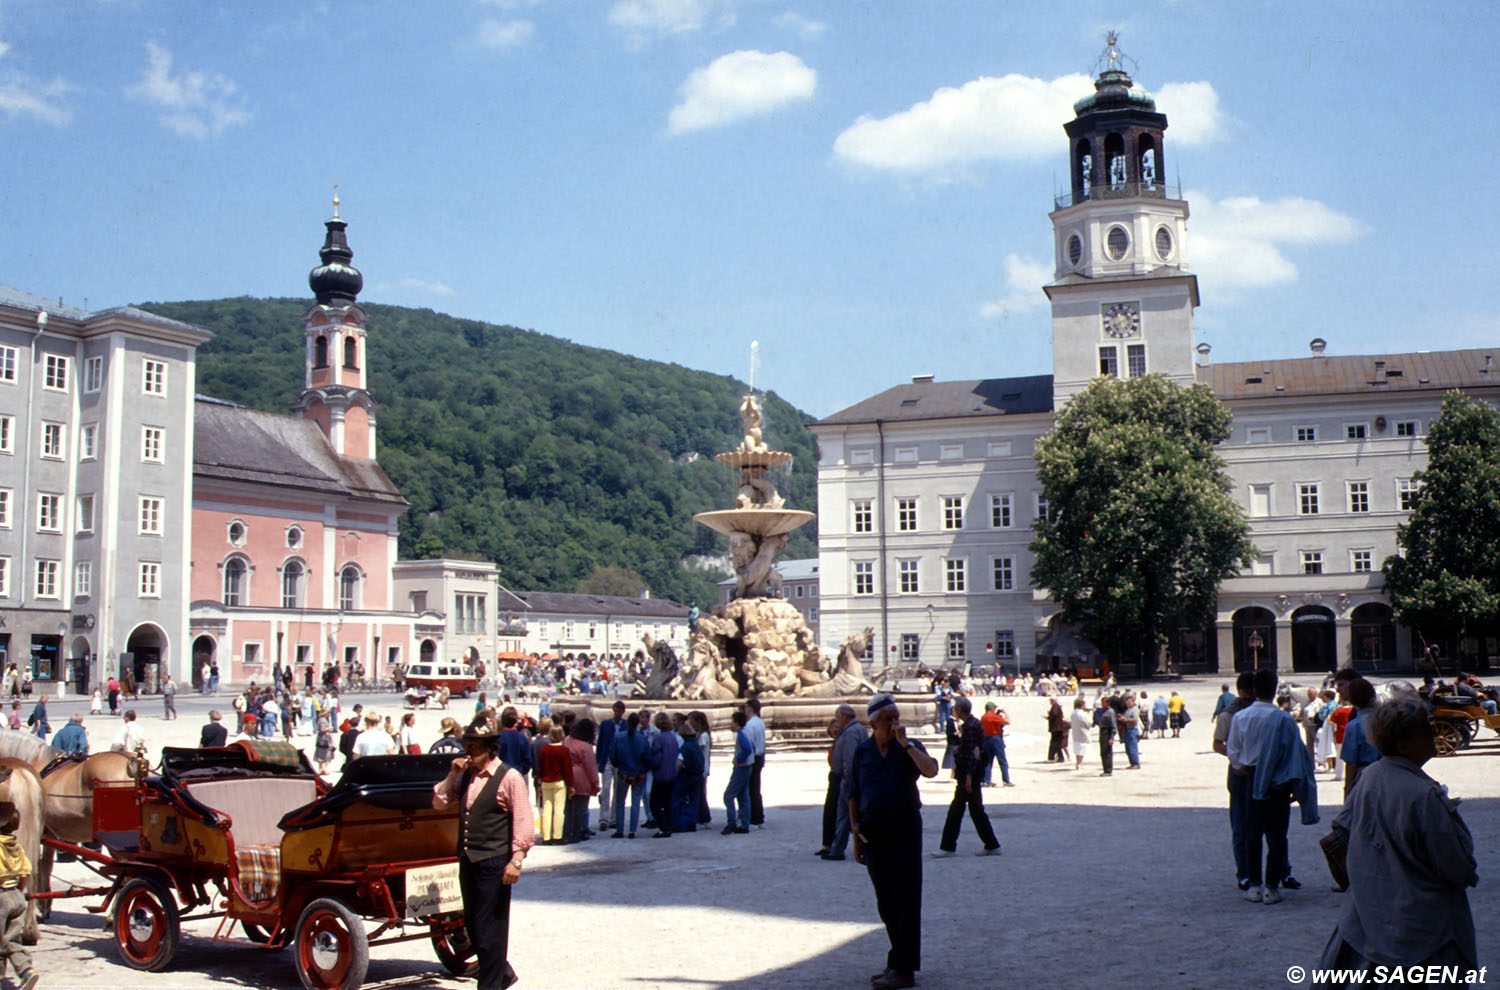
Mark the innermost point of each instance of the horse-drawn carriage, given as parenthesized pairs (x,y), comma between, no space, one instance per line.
(250,835)
(1456,721)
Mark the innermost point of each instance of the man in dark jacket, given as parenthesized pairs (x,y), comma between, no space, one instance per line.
(214,734)
(966,742)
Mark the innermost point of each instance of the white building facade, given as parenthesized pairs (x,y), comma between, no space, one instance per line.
(927,492)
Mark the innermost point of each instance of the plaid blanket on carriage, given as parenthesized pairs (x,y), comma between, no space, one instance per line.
(260,871)
(273,751)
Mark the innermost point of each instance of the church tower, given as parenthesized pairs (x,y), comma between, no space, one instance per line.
(334,391)
(1122,297)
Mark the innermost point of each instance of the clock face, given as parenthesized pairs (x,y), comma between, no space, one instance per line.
(1121,319)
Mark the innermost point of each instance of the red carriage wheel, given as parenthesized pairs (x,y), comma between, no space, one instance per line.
(146,924)
(333,952)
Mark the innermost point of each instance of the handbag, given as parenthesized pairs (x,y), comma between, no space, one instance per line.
(1336,852)
(413,748)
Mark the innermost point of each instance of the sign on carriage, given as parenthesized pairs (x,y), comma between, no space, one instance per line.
(433,890)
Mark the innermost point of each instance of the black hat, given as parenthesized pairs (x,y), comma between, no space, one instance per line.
(481,731)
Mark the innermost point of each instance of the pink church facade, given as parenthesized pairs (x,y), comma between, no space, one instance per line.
(294,523)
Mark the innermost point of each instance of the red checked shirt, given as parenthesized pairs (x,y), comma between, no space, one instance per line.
(511,796)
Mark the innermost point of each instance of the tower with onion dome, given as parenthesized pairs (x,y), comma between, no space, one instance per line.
(334,392)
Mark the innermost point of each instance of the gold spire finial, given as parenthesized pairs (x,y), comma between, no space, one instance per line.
(335,200)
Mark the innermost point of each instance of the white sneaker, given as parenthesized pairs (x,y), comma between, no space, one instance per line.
(1253,894)
(1272,895)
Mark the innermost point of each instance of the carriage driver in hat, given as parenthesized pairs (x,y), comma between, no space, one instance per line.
(495,830)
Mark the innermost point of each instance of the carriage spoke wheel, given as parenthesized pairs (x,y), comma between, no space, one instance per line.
(454,950)
(333,952)
(146,924)
(1447,736)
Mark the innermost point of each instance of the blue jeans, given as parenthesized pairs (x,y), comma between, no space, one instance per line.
(994,749)
(1132,740)
(1239,813)
(840,823)
(636,790)
(738,790)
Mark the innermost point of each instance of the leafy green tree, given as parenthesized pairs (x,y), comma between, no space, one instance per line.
(1445,577)
(1141,527)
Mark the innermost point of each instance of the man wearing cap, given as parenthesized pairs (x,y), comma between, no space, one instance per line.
(885,817)
(495,830)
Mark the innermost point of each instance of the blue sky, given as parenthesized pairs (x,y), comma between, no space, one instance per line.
(861,187)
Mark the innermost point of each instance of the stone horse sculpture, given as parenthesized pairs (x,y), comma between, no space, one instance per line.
(848,674)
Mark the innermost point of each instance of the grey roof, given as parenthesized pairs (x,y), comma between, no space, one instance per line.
(236,444)
(557,603)
(951,400)
(20,299)
(1370,374)
(27,300)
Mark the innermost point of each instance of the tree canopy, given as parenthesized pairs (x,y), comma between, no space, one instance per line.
(1445,577)
(1141,527)
(548,457)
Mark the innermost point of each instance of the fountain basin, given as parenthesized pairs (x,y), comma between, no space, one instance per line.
(756,522)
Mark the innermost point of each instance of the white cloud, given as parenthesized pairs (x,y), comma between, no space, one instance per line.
(504,35)
(740,84)
(1192,111)
(793,21)
(645,20)
(1024,278)
(194,104)
(1010,118)
(23,96)
(1235,243)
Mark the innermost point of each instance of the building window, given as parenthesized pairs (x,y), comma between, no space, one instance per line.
(541,628)
(83,579)
(953,512)
(1406,494)
(956,649)
(1359,496)
(812,590)
(351,353)
(7,434)
(88,442)
(154,377)
(292,575)
(93,374)
(955,574)
(293,537)
(1307,498)
(1407,428)
(46,579)
(801,590)
(567,633)
(55,376)
(1260,501)
(1312,562)
(236,533)
(812,613)
(150,516)
(349,588)
(863,516)
(5,497)
(1005,645)
(909,584)
(1040,507)
(593,630)
(4,577)
(1005,574)
(1356,431)
(151,443)
(1306,434)
(1135,357)
(911,648)
(864,577)
(252,655)
(48,513)
(906,515)
(86,513)
(1361,561)
(52,441)
(1000,511)
(150,585)
(1263,565)
(8,365)
(1109,362)
(235,573)
(320,352)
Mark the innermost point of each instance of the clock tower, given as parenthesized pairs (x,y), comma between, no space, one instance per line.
(1122,297)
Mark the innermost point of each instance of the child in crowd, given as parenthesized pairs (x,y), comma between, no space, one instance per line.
(15,871)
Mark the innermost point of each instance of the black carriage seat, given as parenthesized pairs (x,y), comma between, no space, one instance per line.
(255,806)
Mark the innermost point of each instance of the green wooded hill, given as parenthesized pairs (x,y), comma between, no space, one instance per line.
(561,463)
